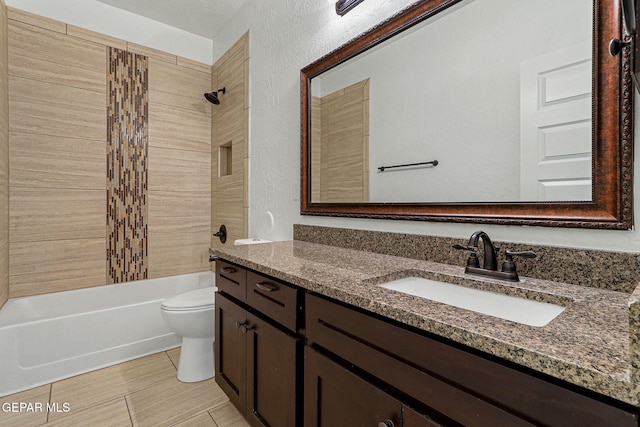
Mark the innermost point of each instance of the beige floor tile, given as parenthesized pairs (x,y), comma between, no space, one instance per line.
(34,415)
(174,355)
(226,415)
(202,420)
(109,414)
(106,384)
(171,401)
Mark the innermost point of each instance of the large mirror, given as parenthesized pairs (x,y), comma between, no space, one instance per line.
(476,111)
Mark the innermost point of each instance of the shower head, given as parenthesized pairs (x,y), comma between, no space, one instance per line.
(212,97)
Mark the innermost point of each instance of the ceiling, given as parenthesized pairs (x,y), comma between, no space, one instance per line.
(202,17)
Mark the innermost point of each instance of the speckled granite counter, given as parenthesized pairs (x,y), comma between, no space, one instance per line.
(587,344)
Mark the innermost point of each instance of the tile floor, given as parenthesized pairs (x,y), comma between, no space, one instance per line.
(141,392)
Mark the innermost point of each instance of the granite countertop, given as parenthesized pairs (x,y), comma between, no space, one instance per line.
(587,344)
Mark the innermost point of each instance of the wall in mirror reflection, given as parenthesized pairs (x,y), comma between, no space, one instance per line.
(498,91)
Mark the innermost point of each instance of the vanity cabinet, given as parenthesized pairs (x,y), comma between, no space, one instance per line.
(258,351)
(452,385)
(336,396)
(289,357)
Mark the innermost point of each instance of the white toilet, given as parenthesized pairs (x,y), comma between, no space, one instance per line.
(191,315)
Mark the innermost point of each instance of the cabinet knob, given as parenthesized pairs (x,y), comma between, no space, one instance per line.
(243,326)
(229,270)
(388,423)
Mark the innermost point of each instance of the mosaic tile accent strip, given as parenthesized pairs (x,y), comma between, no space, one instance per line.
(127,147)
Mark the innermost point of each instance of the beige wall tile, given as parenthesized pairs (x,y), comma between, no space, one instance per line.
(179,129)
(4,158)
(4,95)
(195,65)
(179,87)
(69,112)
(56,214)
(179,233)
(92,36)
(38,395)
(113,382)
(229,124)
(184,204)
(58,148)
(4,262)
(36,20)
(56,162)
(160,404)
(175,170)
(45,55)
(57,265)
(151,53)
(168,259)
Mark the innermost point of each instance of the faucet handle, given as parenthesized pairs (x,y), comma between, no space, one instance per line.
(472,261)
(508,266)
(472,249)
(525,254)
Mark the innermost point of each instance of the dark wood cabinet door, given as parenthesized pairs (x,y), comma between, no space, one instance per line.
(231,351)
(271,375)
(412,418)
(335,396)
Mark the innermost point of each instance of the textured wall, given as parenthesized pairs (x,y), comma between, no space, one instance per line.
(4,159)
(287,35)
(58,157)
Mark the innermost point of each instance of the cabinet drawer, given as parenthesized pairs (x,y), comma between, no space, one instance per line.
(465,387)
(231,280)
(272,298)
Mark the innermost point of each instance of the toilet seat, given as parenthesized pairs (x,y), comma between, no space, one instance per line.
(193,300)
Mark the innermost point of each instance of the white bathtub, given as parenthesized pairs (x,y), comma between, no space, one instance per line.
(45,338)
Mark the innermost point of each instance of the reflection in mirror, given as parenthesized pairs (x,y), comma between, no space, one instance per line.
(498,92)
(533,101)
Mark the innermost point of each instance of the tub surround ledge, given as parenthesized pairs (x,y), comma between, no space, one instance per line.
(594,343)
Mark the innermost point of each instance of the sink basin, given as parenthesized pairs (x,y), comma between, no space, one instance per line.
(521,310)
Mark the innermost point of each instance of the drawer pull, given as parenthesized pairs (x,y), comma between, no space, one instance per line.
(387,423)
(229,270)
(267,287)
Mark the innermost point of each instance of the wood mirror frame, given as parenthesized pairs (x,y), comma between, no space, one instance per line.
(612,139)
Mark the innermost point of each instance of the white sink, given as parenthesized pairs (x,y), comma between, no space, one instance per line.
(521,310)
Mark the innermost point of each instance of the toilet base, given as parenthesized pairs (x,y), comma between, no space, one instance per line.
(196,360)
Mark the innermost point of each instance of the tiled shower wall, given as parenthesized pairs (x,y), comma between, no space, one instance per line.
(58,151)
(4,159)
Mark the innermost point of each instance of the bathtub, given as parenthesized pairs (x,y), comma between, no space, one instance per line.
(45,338)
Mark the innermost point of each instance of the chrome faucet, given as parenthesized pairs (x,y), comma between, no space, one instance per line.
(490,263)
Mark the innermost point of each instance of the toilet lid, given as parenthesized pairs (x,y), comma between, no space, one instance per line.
(198,299)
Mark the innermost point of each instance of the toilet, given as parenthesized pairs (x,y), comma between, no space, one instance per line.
(191,315)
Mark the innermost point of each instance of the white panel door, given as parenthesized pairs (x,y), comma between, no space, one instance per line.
(555,125)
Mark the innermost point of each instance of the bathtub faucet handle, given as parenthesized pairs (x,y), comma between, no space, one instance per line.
(221,233)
